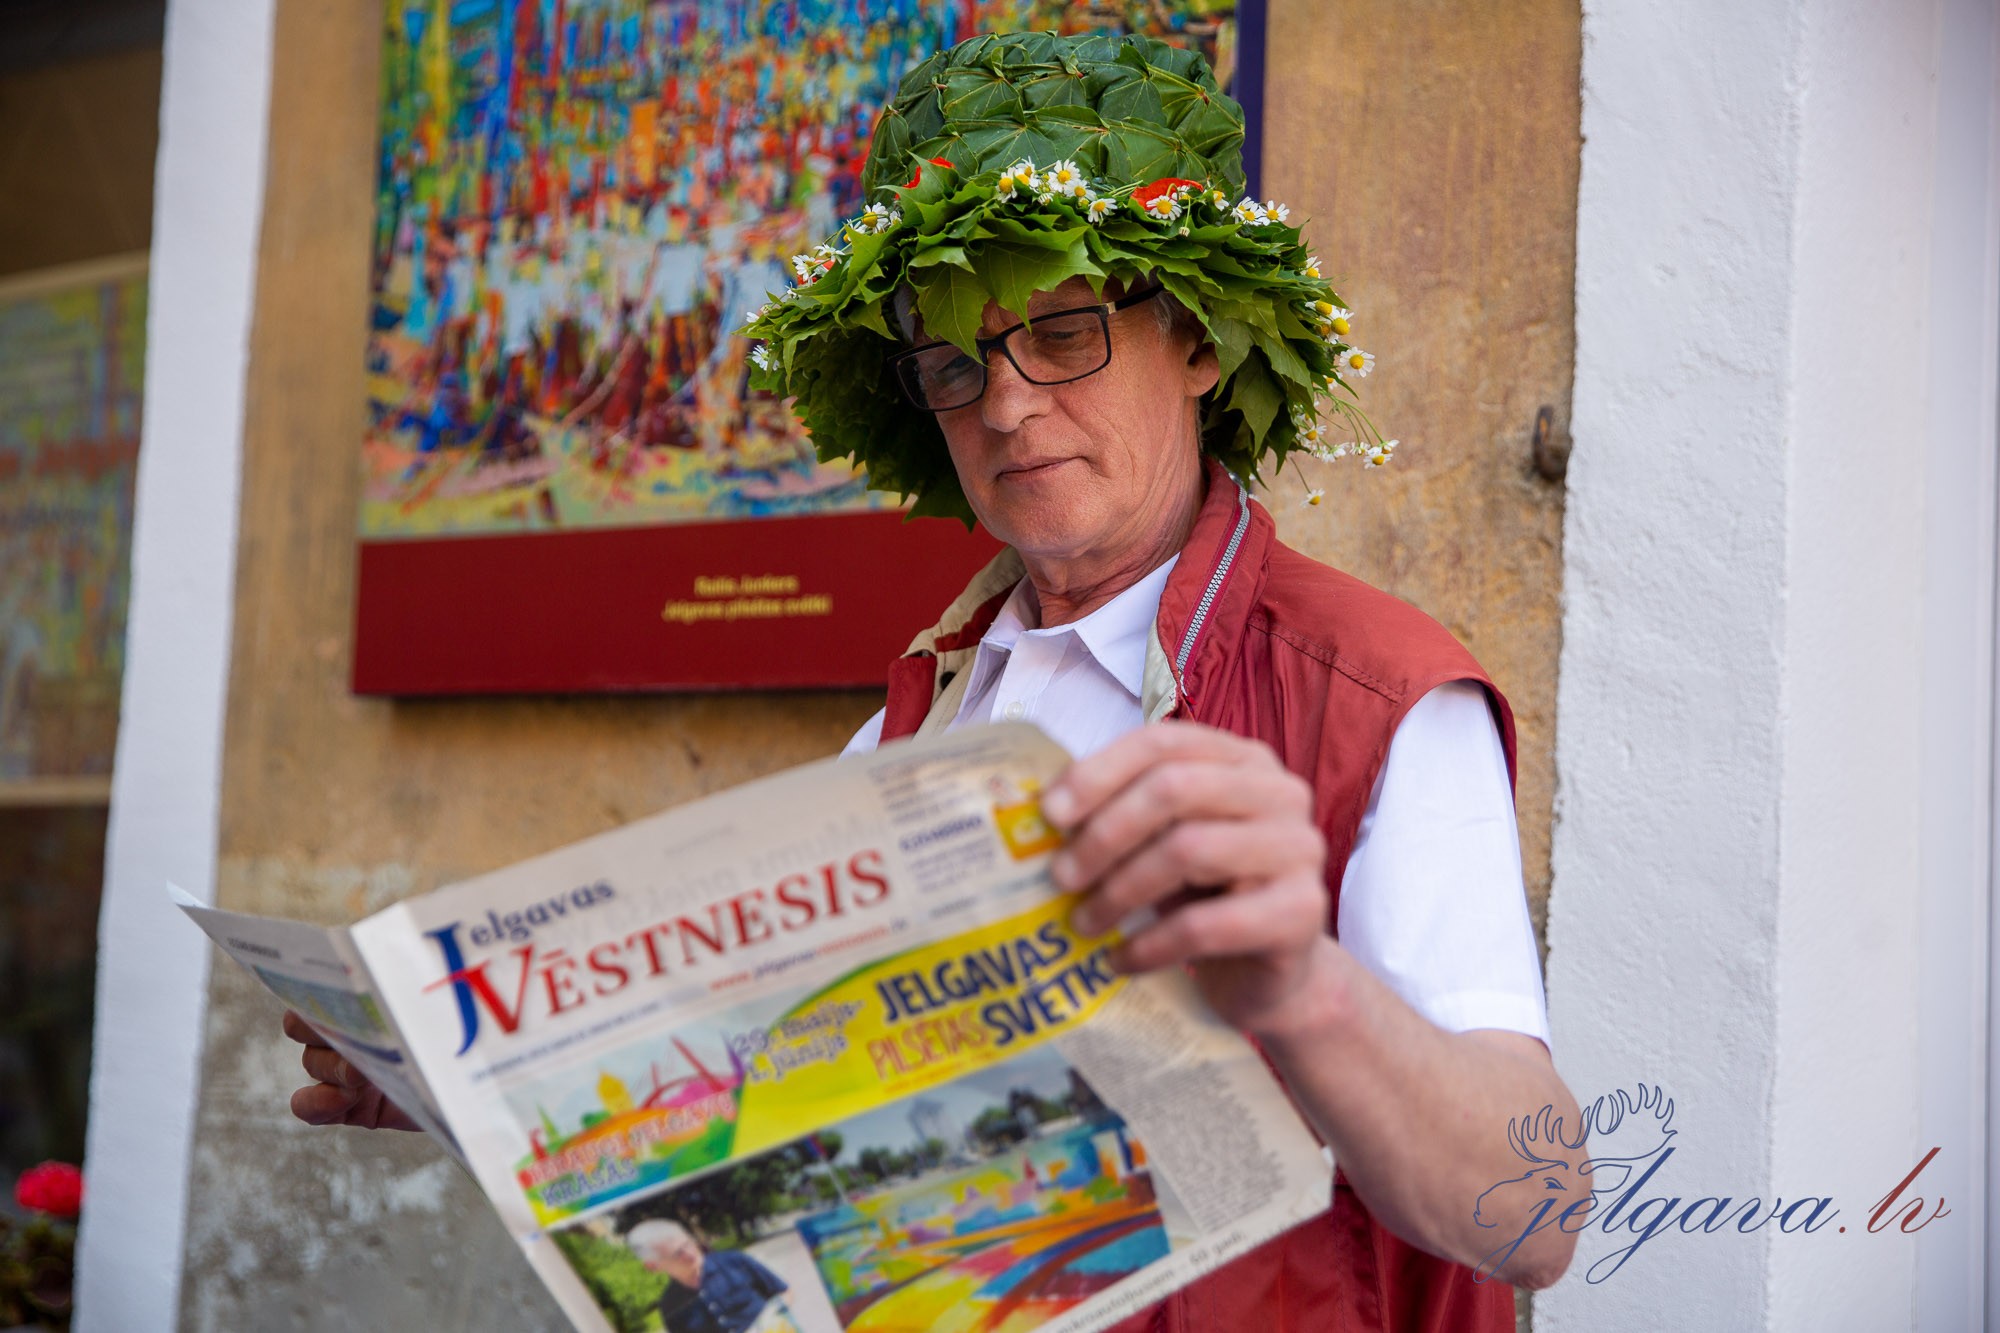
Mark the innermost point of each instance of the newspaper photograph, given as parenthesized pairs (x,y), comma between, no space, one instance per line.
(823,1053)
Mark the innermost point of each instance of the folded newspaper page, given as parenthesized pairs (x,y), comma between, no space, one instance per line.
(818,1054)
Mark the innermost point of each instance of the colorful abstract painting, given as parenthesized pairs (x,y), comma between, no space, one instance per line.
(72,356)
(566,483)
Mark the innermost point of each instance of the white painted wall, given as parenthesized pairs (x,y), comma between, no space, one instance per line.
(1776,674)
(152,967)
(1845,1106)
(1663,931)
(1957,790)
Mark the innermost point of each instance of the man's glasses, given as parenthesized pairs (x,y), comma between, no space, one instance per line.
(1056,348)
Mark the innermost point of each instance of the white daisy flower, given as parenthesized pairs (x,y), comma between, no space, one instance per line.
(1332,453)
(1100,208)
(1311,270)
(1276,212)
(1019,179)
(1217,199)
(1080,190)
(1249,212)
(1063,177)
(1314,494)
(877,218)
(1378,455)
(1357,363)
(1162,207)
(760,357)
(1310,434)
(803,266)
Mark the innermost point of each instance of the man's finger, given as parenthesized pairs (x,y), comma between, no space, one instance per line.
(1231,853)
(299,1030)
(323,1104)
(329,1066)
(1173,791)
(1088,783)
(1287,912)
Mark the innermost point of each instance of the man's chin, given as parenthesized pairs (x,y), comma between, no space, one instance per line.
(1052,523)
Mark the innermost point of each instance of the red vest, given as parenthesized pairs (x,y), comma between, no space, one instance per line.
(1265,642)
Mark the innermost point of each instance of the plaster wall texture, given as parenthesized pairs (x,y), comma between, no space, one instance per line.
(1436,150)
(1433,149)
(1844,1107)
(165,795)
(1961,1081)
(1663,930)
(1739,840)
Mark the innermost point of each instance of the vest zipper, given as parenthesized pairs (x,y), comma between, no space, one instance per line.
(1208,595)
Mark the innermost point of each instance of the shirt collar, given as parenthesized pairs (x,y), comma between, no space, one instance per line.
(1115,633)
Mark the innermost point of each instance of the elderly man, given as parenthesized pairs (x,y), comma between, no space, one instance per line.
(1293,785)
(713,1291)
(1289,783)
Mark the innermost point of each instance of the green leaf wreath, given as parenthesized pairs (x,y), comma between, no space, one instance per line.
(1031,159)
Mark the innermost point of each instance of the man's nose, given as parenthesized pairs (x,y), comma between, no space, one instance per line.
(1010,399)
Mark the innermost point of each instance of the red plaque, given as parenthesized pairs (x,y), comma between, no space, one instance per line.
(782,602)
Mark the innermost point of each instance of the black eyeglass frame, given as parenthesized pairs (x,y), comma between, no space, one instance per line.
(983,347)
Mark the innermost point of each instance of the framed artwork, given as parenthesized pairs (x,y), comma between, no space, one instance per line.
(72,360)
(567,484)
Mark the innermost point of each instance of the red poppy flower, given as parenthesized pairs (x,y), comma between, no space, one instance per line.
(55,1188)
(936,162)
(1146,194)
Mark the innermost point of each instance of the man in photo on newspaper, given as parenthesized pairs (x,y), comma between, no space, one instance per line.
(1287,782)
(712,1291)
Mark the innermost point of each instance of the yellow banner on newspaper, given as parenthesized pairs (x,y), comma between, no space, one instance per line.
(920,1019)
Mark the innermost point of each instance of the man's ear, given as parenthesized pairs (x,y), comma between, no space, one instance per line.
(1202,369)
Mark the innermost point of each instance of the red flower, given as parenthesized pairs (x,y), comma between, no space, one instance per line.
(936,162)
(55,1188)
(1146,194)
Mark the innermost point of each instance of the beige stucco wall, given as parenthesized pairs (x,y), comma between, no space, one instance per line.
(1436,149)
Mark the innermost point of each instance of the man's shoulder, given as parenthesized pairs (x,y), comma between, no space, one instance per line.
(1371,637)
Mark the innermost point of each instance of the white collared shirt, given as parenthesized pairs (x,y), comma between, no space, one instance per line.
(1432,901)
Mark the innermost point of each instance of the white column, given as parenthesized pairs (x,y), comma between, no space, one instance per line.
(152,967)
(1778,580)
(1954,1273)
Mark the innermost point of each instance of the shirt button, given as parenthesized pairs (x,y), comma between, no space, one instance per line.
(1014,711)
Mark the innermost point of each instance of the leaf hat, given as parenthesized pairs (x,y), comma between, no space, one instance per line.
(1011,163)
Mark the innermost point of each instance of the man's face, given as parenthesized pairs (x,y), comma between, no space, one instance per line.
(1065,471)
(676,1255)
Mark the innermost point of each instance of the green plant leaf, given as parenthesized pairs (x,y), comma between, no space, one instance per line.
(952,302)
(1013,273)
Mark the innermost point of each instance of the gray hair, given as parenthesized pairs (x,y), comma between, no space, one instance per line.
(655,1232)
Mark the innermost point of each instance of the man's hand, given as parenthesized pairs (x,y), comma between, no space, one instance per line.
(342,1094)
(1216,836)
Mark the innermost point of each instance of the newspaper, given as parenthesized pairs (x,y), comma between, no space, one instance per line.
(818,1054)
